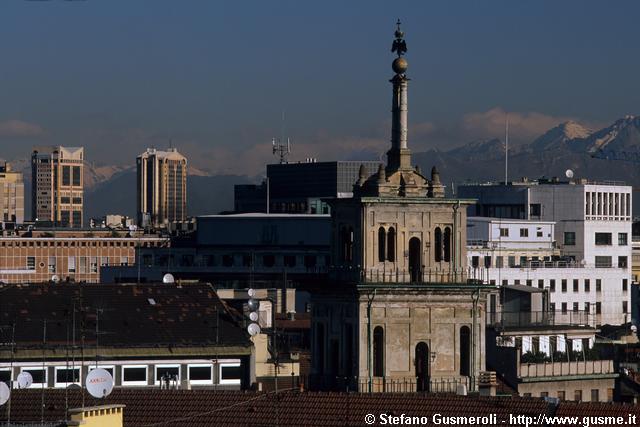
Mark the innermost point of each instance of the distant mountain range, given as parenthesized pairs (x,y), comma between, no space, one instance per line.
(111,189)
(566,146)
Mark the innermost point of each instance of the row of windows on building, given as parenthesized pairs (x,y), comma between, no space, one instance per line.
(563,284)
(524,232)
(564,309)
(95,242)
(577,395)
(601,261)
(135,375)
(235,260)
(71,175)
(83,265)
(607,204)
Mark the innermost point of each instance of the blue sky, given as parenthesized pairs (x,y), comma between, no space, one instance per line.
(214,77)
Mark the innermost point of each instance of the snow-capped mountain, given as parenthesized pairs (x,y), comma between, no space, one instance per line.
(560,136)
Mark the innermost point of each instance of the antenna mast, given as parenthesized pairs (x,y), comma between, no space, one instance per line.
(506,151)
(280,148)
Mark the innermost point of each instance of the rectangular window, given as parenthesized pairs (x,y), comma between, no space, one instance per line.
(39,376)
(544,394)
(94,264)
(475,261)
(622,262)
(66,175)
(504,232)
(83,264)
(512,261)
(77,200)
(134,375)
(52,264)
(603,239)
(499,262)
(625,307)
(587,285)
(5,375)
(595,395)
(540,283)
(569,238)
(77,218)
(200,374)
(587,307)
(524,232)
(65,377)
(487,261)
(598,308)
(622,239)
(561,394)
(31,263)
(564,308)
(71,264)
(552,285)
(576,285)
(124,261)
(539,233)
(523,261)
(535,209)
(552,307)
(577,395)
(65,200)
(603,262)
(230,373)
(166,373)
(529,282)
(104,261)
(576,307)
(76,176)
(564,285)
(598,285)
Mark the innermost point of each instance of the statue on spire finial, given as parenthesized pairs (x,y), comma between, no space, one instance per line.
(399,45)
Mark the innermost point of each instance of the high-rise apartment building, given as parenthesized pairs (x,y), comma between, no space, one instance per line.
(57,185)
(11,195)
(162,187)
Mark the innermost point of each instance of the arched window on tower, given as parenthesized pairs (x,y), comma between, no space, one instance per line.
(446,244)
(378,352)
(437,237)
(465,351)
(391,245)
(382,244)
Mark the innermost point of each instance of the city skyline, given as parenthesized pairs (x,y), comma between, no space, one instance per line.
(215,81)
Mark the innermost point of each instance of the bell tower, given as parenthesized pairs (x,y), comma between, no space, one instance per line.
(398,310)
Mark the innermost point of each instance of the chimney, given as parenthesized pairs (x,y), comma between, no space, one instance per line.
(488,383)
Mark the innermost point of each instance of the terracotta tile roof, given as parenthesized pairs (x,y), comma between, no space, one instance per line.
(146,407)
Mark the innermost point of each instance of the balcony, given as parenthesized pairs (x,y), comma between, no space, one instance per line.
(556,369)
(539,319)
(382,275)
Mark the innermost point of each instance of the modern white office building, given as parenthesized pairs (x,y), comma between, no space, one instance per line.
(519,252)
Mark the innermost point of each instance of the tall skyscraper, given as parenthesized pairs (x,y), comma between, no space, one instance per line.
(57,185)
(11,195)
(162,187)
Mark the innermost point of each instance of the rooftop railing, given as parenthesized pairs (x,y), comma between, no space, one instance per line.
(539,319)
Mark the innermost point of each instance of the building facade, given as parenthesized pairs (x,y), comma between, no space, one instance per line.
(76,256)
(506,252)
(12,197)
(589,264)
(302,187)
(57,193)
(161,187)
(144,335)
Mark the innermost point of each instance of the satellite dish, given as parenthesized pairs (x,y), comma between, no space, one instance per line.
(253,329)
(168,278)
(253,304)
(24,380)
(569,173)
(253,316)
(252,293)
(133,228)
(4,393)
(55,278)
(99,383)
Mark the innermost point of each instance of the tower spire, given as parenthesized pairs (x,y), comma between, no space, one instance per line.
(399,156)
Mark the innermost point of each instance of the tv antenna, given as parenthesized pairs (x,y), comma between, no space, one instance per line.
(279,147)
